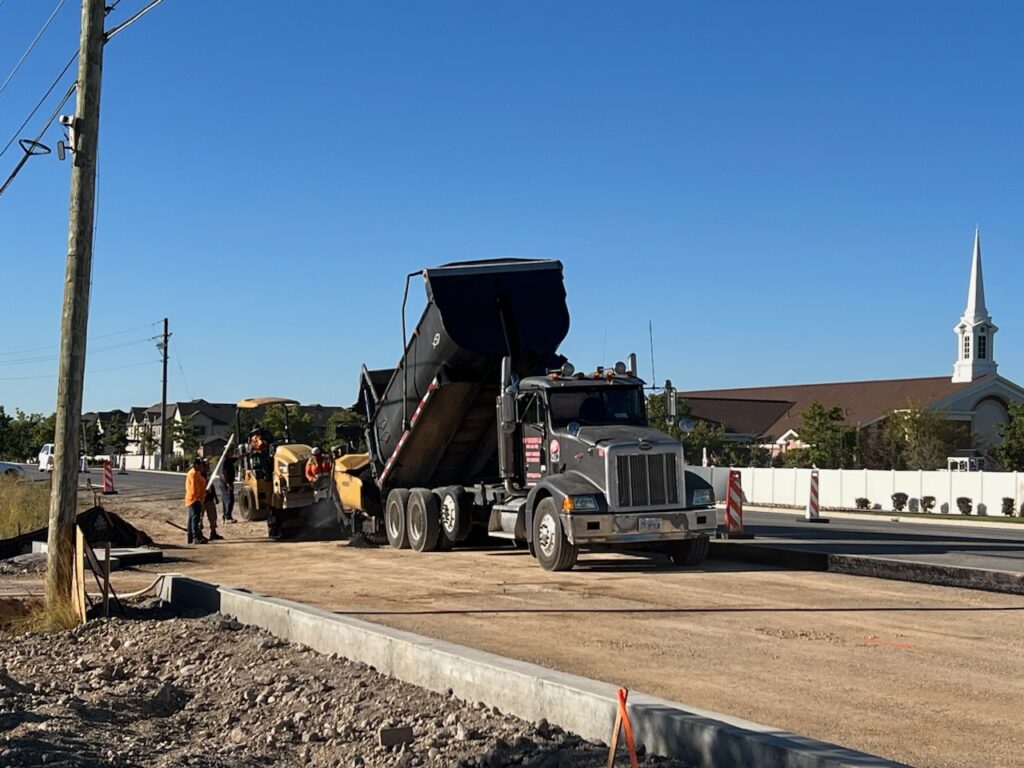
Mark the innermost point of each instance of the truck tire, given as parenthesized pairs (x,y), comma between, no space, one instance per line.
(395,519)
(456,513)
(247,506)
(554,552)
(423,520)
(689,551)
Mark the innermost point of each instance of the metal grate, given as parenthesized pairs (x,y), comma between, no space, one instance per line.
(647,480)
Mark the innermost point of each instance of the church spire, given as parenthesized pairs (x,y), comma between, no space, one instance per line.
(975,333)
(976,309)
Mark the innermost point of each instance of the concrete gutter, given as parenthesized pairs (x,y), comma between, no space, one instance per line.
(976,522)
(794,557)
(577,704)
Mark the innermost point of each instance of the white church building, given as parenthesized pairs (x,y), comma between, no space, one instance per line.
(975,395)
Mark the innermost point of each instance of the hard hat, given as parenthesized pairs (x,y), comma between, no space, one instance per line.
(316,451)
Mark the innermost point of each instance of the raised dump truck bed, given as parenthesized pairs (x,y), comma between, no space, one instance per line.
(434,423)
(484,426)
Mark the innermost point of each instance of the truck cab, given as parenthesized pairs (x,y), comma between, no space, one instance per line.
(584,443)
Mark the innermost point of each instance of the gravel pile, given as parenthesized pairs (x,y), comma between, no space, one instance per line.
(161,690)
(33,562)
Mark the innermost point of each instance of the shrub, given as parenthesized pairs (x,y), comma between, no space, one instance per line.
(899,501)
(927,504)
(964,504)
(863,503)
(1008,506)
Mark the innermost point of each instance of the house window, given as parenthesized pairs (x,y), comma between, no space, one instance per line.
(982,346)
(967,347)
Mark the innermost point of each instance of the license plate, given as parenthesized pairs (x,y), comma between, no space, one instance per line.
(650,524)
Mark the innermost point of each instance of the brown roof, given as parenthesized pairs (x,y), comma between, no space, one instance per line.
(743,417)
(862,401)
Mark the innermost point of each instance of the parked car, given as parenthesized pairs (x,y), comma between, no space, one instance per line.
(10,471)
(46,458)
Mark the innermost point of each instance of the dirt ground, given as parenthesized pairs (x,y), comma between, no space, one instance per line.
(930,676)
(161,690)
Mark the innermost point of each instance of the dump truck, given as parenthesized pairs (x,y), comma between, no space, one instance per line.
(484,426)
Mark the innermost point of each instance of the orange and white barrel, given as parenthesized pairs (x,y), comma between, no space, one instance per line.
(734,504)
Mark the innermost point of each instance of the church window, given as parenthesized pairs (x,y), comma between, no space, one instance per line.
(967,347)
(982,346)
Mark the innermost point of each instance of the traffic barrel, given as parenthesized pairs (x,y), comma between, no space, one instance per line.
(813,511)
(108,478)
(734,508)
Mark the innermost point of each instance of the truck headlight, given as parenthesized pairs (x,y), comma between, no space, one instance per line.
(579,504)
(703,496)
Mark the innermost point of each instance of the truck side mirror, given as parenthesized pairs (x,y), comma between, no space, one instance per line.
(670,401)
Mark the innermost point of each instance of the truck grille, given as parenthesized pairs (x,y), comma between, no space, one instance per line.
(647,480)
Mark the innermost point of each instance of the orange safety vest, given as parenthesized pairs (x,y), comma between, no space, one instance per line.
(312,469)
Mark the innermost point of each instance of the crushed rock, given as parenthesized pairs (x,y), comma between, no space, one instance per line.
(164,690)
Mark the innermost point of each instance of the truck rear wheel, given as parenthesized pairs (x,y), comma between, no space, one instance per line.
(395,519)
(455,510)
(554,552)
(689,551)
(423,520)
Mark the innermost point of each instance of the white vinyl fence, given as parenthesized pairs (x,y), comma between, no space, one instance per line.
(840,488)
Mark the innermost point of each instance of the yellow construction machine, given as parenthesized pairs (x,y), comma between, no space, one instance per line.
(274,484)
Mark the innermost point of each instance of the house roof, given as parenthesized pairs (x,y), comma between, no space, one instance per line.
(743,417)
(138,412)
(218,413)
(862,402)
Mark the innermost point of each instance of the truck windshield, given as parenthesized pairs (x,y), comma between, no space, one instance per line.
(588,407)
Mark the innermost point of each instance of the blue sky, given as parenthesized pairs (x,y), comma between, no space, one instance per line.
(787,191)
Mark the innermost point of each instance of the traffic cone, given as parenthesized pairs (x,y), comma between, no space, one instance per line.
(734,508)
(108,478)
(813,513)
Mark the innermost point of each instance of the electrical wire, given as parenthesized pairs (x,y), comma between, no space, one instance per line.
(49,358)
(131,19)
(91,339)
(182,372)
(46,95)
(32,45)
(52,376)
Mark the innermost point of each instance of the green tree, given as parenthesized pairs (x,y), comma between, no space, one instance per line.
(5,434)
(300,425)
(26,433)
(148,442)
(656,415)
(92,438)
(185,433)
(830,443)
(1010,452)
(749,454)
(341,419)
(116,434)
(924,438)
(704,435)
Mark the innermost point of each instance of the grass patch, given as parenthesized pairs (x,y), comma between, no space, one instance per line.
(18,617)
(24,506)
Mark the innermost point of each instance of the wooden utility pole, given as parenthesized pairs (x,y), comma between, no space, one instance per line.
(75,315)
(163,398)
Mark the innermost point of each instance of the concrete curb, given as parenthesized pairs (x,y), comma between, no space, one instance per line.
(975,522)
(578,704)
(777,555)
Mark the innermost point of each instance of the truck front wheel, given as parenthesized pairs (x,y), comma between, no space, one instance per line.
(554,552)
(395,520)
(423,520)
(689,551)
(456,518)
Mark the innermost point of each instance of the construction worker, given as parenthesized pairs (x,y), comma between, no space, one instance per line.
(195,496)
(314,466)
(210,504)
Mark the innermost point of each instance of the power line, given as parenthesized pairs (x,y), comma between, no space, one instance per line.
(97,370)
(181,370)
(46,95)
(131,19)
(91,339)
(48,358)
(32,45)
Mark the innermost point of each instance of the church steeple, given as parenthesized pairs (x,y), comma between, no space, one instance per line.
(975,332)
